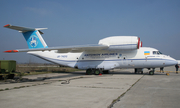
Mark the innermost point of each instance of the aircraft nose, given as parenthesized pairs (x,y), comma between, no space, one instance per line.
(171,62)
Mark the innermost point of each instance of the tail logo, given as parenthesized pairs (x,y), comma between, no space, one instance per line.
(33,41)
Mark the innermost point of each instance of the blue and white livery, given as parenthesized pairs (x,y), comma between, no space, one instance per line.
(110,53)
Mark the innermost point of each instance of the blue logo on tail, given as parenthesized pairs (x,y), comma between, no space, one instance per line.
(33,41)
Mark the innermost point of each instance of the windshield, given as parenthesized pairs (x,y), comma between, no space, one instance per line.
(159,52)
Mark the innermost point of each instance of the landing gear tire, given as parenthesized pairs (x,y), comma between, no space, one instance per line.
(141,72)
(135,71)
(151,72)
(89,72)
(106,72)
(97,72)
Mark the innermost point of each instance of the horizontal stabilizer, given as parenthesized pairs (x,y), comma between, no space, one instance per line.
(23,29)
(11,51)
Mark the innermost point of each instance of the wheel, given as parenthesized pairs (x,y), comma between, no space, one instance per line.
(3,70)
(106,72)
(89,72)
(97,72)
(141,72)
(135,71)
(151,72)
(10,76)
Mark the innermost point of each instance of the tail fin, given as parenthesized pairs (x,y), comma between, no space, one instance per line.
(32,36)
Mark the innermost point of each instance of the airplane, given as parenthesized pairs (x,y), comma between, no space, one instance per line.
(115,52)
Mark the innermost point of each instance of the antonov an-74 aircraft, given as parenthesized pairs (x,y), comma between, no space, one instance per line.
(110,53)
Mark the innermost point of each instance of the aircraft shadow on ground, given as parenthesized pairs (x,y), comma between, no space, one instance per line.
(75,74)
(132,73)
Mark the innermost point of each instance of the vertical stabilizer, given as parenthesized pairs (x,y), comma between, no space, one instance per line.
(34,39)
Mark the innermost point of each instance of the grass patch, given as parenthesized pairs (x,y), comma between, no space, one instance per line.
(45,83)
(16,87)
(7,89)
(22,86)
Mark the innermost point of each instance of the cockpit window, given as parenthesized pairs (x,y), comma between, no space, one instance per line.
(157,53)
(154,52)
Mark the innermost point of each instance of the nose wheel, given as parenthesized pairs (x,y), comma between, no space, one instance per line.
(151,72)
(138,70)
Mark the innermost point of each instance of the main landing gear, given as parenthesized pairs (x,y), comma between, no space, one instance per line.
(93,71)
(89,72)
(96,71)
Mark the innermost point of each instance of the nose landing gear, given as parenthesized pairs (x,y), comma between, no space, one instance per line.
(140,70)
(151,72)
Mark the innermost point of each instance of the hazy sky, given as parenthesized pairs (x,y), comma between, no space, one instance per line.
(78,22)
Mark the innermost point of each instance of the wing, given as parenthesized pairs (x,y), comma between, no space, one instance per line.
(63,49)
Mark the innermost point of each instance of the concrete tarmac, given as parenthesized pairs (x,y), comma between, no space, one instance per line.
(77,90)
(157,91)
(83,91)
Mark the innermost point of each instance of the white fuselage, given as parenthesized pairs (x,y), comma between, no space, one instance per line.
(144,57)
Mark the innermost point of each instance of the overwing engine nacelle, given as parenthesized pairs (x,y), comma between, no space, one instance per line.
(121,42)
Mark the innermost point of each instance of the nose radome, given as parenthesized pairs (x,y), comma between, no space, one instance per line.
(171,62)
(178,61)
